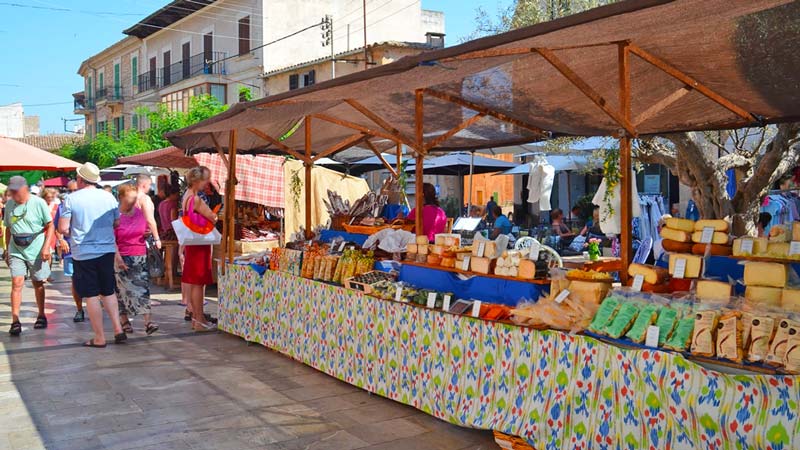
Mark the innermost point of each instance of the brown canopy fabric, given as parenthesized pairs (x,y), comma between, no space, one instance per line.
(167,157)
(693,65)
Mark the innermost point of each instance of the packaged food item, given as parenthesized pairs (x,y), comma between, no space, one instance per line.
(667,319)
(716,224)
(677,223)
(647,317)
(777,350)
(757,273)
(623,320)
(682,335)
(791,362)
(705,327)
(676,247)
(604,316)
(729,337)
(651,274)
(761,330)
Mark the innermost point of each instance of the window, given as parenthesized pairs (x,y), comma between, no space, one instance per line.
(117,85)
(309,78)
(218,91)
(89,87)
(135,122)
(100,81)
(167,56)
(119,126)
(302,80)
(134,70)
(102,126)
(294,81)
(244,35)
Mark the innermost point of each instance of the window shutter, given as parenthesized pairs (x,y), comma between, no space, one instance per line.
(134,70)
(244,35)
(294,81)
(135,122)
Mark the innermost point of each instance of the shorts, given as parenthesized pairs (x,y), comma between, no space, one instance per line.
(197,265)
(39,270)
(95,277)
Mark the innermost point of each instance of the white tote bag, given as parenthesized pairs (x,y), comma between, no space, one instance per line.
(189,237)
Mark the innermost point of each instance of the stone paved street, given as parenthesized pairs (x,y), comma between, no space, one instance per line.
(178,390)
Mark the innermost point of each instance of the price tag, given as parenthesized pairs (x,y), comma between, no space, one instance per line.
(431,299)
(747,246)
(534,252)
(637,283)
(680,268)
(465,263)
(651,338)
(481,249)
(398,294)
(562,296)
(341,246)
(794,248)
(476,308)
(707,236)
(446,303)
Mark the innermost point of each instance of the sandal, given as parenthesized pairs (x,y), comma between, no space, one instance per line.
(41,322)
(203,327)
(120,338)
(16,329)
(187,316)
(127,327)
(210,319)
(150,328)
(90,343)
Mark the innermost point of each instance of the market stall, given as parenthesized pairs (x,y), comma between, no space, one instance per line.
(627,69)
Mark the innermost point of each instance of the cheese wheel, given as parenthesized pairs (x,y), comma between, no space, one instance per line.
(654,288)
(790,300)
(760,296)
(651,274)
(713,290)
(693,264)
(676,235)
(769,274)
(716,224)
(716,249)
(676,223)
(759,246)
(778,249)
(676,247)
(718,237)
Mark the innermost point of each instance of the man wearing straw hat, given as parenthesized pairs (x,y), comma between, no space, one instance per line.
(89,217)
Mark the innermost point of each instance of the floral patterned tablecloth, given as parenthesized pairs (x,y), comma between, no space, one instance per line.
(558,391)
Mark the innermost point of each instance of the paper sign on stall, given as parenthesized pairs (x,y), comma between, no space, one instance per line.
(651,338)
(431,299)
(446,303)
(747,246)
(680,268)
(638,280)
(794,248)
(708,235)
(465,263)
(476,308)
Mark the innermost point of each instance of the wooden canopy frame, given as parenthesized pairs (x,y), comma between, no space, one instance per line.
(383,128)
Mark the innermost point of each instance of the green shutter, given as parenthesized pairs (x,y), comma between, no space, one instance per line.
(134,70)
(117,87)
(100,83)
(135,122)
(89,88)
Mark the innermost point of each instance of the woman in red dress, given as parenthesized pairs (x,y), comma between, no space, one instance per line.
(197,258)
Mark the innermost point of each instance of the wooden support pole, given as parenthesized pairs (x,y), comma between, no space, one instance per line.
(420,148)
(366,130)
(231,206)
(452,132)
(378,120)
(344,144)
(626,188)
(276,143)
(307,163)
(380,157)
(399,160)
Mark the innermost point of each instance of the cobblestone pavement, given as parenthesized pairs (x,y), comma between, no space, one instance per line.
(178,390)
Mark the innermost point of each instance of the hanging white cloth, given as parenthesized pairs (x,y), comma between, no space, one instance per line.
(610,220)
(540,183)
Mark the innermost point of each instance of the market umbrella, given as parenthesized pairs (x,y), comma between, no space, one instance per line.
(56,181)
(16,155)
(373,163)
(169,157)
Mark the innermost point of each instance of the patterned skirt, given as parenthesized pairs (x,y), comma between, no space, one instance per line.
(133,286)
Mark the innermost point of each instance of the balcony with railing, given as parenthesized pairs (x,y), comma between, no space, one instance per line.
(109,94)
(200,64)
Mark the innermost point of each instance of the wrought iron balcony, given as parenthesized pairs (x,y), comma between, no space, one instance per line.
(109,94)
(82,105)
(196,65)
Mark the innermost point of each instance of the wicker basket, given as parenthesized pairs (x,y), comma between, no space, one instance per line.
(338,222)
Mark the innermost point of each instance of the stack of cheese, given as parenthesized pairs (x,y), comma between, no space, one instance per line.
(720,242)
(508,263)
(484,256)
(677,235)
(765,283)
(777,245)
(418,252)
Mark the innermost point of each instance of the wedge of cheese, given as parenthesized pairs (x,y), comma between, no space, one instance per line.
(651,274)
(718,238)
(676,235)
(712,290)
(676,247)
(481,264)
(716,224)
(489,248)
(778,249)
(759,246)
(790,300)
(694,264)
(527,269)
(676,223)
(769,274)
(760,296)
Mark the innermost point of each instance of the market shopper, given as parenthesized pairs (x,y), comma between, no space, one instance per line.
(28,238)
(560,228)
(66,257)
(88,218)
(501,223)
(434,219)
(197,258)
(145,203)
(133,276)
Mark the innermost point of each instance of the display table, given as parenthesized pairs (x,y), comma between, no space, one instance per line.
(328,235)
(604,264)
(554,389)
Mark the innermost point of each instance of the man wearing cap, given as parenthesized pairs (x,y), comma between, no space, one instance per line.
(89,217)
(28,237)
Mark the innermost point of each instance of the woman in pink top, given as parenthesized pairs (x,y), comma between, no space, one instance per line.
(434,219)
(133,276)
(167,212)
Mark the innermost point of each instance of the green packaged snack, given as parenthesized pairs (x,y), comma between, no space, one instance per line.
(604,315)
(681,336)
(667,318)
(647,316)
(626,315)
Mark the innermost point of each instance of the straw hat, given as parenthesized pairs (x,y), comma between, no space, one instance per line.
(89,172)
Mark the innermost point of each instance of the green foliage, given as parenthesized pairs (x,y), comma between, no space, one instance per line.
(245,94)
(523,13)
(106,147)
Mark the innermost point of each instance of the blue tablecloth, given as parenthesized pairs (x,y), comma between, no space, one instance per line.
(723,267)
(494,290)
(328,235)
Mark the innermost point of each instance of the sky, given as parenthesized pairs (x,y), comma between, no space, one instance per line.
(45,41)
